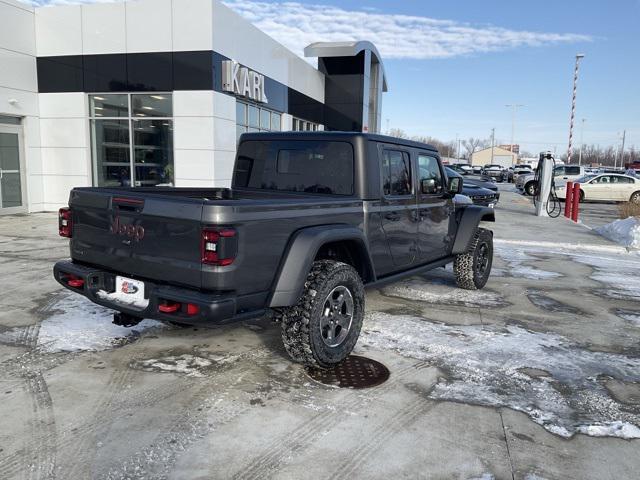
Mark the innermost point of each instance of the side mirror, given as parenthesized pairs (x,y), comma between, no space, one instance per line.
(428,185)
(455,185)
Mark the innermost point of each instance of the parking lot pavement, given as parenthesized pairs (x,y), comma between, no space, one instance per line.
(534,377)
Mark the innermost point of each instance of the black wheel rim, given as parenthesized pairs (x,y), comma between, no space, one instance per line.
(337,316)
(482,259)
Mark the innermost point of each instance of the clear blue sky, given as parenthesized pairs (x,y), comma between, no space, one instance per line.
(465,93)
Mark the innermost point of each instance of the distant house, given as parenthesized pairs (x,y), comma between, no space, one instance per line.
(496,155)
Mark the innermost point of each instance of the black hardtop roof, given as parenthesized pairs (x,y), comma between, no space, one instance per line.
(337,136)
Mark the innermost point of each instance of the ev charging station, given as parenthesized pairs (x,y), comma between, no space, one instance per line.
(544,174)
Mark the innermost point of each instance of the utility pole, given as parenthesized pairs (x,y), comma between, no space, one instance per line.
(579,56)
(387,126)
(515,107)
(493,137)
(624,134)
(458,154)
(581,141)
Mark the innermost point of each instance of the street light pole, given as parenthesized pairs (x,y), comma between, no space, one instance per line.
(624,134)
(493,136)
(581,141)
(515,107)
(579,56)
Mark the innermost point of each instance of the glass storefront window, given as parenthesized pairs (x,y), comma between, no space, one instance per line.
(265,119)
(276,122)
(156,105)
(128,150)
(253,116)
(153,152)
(241,113)
(110,151)
(250,118)
(108,106)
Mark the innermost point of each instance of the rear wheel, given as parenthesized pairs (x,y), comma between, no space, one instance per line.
(530,188)
(472,268)
(322,329)
(635,198)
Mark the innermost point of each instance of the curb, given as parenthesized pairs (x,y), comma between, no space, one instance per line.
(568,246)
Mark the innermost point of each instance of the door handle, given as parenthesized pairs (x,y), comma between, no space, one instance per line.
(392,216)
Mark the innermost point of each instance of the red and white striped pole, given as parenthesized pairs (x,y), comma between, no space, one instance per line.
(573,104)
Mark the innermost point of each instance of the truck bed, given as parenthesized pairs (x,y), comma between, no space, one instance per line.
(155,233)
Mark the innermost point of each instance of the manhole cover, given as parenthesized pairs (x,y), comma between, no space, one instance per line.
(354,372)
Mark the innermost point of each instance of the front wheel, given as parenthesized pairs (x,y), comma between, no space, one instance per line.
(323,327)
(472,268)
(635,198)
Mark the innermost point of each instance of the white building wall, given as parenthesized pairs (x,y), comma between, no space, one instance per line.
(64,147)
(18,88)
(239,40)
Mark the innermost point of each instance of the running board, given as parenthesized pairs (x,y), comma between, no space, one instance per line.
(409,273)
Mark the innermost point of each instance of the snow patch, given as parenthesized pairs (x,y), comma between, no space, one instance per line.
(629,316)
(488,365)
(79,325)
(516,259)
(186,364)
(626,232)
(443,294)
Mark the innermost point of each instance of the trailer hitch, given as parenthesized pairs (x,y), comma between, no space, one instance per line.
(126,320)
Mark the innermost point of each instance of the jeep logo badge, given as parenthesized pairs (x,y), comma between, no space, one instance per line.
(135,232)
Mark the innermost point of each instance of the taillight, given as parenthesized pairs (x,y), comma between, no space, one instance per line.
(64,222)
(219,246)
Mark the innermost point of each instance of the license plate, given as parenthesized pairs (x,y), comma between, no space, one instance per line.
(129,291)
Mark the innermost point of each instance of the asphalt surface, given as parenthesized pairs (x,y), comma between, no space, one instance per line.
(534,377)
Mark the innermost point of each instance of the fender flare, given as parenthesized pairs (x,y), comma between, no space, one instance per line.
(469,221)
(302,250)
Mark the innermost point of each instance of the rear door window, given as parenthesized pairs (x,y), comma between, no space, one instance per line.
(396,173)
(572,170)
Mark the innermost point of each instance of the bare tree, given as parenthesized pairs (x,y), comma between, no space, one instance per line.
(398,133)
(473,144)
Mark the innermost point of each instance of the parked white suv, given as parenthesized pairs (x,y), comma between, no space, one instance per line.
(561,173)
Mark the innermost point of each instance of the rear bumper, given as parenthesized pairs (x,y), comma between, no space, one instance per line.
(213,308)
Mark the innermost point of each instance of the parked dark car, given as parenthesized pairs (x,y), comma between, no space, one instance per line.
(310,219)
(495,172)
(479,195)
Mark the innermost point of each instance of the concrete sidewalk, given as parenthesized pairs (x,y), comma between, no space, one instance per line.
(536,376)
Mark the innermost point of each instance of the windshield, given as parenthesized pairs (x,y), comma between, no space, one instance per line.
(584,179)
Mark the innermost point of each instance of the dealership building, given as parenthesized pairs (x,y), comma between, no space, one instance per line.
(157,92)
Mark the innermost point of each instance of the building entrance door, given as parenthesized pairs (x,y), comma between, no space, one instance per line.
(12,191)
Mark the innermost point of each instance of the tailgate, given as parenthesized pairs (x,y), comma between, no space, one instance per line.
(147,236)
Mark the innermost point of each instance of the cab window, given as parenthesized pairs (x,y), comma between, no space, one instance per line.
(396,173)
(429,175)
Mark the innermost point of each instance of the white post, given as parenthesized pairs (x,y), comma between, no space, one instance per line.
(573,104)
(581,142)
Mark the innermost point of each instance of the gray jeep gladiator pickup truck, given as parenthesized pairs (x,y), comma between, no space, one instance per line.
(310,219)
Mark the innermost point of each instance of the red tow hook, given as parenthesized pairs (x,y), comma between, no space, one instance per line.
(169,307)
(75,282)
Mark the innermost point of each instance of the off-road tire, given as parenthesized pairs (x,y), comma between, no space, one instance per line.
(466,266)
(301,331)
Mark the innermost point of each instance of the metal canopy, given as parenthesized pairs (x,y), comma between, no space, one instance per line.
(346,49)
